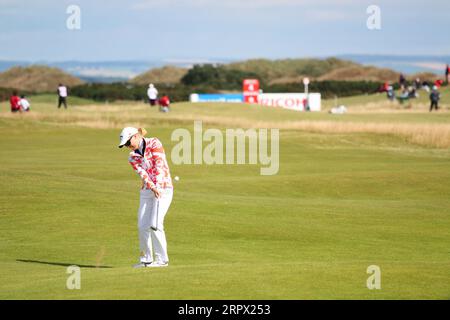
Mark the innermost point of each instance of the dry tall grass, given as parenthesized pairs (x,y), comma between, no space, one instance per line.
(430,135)
(107,117)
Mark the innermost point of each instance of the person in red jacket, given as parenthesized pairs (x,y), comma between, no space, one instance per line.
(14,101)
(438,83)
(164,103)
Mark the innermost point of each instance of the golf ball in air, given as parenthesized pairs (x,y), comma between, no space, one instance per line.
(177,178)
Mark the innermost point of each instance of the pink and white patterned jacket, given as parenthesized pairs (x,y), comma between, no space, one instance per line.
(152,167)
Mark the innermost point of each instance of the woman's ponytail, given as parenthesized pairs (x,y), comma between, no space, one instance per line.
(142,131)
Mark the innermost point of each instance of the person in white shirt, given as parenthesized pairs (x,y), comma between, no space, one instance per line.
(24,104)
(62,95)
(152,94)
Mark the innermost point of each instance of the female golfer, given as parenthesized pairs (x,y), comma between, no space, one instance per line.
(148,159)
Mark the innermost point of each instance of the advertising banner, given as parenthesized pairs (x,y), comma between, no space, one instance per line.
(293,101)
(216,97)
(250,88)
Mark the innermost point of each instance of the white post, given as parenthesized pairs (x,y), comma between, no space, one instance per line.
(306,84)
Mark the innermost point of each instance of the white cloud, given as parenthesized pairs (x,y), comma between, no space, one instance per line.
(430,65)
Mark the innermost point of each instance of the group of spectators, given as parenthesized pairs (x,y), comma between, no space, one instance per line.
(410,91)
(163,102)
(21,104)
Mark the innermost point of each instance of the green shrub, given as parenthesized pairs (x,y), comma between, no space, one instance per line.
(126,91)
(216,77)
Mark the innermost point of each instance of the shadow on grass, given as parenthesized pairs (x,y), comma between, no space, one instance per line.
(62,264)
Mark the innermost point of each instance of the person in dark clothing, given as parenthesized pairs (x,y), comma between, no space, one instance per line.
(402,81)
(417,84)
(447,74)
(435,96)
(412,93)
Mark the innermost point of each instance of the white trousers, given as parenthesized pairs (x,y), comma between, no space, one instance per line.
(151,214)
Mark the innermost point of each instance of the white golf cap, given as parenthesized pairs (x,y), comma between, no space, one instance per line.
(126,135)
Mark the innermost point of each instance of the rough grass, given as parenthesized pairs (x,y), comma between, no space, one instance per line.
(367,114)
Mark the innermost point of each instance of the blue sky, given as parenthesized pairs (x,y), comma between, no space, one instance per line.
(233,29)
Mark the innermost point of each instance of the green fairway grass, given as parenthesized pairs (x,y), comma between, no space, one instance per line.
(341,201)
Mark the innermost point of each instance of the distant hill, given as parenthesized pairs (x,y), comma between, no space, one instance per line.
(36,78)
(294,70)
(290,70)
(275,72)
(164,75)
(123,70)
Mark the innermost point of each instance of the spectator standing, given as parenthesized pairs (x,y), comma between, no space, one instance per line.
(434,98)
(14,101)
(152,94)
(417,84)
(390,93)
(402,81)
(447,73)
(24,104)
(62,95)
(426,86)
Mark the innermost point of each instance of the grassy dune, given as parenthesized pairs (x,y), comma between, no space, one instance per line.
(352,191)
(37,78)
